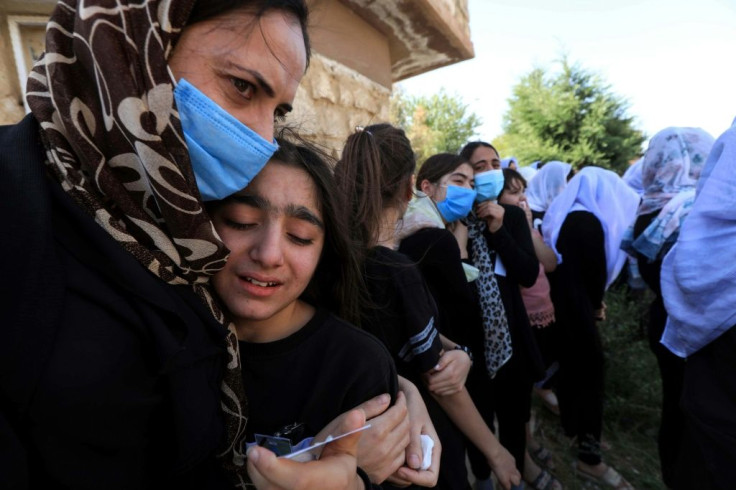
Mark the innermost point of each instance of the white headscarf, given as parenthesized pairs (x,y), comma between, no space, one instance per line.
(669,171)
(507,161)
(699,273)
(609,198)
(632,176)
(672,164)
(549,181)
(528,173)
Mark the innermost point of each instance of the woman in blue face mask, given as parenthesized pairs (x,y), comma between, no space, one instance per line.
(500,246)
(444,196)
(124,371)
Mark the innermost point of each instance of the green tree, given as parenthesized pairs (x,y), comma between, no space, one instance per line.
(437,123)
(571,115)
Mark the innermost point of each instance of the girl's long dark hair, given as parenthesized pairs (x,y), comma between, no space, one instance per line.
(337,282)
(437,166)
(373,173)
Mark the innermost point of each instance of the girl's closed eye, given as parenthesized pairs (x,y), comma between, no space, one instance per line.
(300,240)
(236,225)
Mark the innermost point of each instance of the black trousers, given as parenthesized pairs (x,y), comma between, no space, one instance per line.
(671,369)
(580,386)
(709,403)
(507,397)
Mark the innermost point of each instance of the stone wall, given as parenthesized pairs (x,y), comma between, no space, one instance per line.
(11,101)
(333,99)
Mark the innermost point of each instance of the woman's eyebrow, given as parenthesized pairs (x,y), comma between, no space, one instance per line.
(302,213)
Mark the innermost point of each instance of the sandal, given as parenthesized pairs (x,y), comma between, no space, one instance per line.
(610,478)
(543,457)
(545,481)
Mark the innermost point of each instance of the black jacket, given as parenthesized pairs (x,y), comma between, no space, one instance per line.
(513,244)
(109,378)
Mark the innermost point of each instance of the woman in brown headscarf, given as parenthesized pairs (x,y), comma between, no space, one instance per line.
(116,375)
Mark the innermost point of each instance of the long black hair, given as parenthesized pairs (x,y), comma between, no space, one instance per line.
(373,174)
(337,281)
(469,148)
(437,166)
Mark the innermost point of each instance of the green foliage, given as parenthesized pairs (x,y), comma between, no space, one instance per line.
(571,116)
(437,123)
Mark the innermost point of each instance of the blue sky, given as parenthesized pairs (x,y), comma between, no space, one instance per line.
(673,60)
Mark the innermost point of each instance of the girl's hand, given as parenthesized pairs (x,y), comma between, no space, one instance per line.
(336,468)
(504,467)
(450,375)
(420,424)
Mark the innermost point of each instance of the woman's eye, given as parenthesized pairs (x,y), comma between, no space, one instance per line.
(244,87)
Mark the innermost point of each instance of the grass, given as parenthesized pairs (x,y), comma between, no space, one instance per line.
(632,403)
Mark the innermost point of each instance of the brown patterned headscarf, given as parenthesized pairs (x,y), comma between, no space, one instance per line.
(103,95)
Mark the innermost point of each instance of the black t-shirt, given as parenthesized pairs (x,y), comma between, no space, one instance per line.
(401,313)
(312,376)
(437,254)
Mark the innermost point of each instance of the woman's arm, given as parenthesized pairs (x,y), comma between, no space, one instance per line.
(462,411)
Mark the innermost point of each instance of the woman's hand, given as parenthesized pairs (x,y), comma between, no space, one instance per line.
(450,374)
(336,468)
(381,450)
(504,467)
(420,424)
(492,213)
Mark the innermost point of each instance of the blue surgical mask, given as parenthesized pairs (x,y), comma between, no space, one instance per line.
(457,203)
(225,153)
(488,184)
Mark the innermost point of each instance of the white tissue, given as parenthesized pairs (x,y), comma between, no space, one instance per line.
(427,446)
